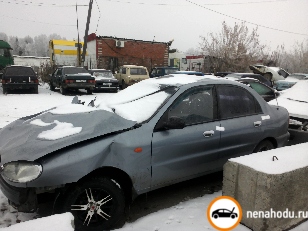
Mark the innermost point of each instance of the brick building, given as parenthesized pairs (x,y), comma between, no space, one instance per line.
(110,52)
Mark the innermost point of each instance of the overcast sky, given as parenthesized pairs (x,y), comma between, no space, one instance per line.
(182,20)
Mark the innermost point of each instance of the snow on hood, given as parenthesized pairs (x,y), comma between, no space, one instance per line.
(295,100)
(31,138)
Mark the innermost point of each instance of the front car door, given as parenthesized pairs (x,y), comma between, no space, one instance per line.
(241,121)
(179,154)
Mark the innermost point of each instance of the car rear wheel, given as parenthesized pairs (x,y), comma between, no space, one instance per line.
(62,90)
(5,90)
(97,204)
(35,90)
(52,88)
(123,85)
(263,146)
(89,91)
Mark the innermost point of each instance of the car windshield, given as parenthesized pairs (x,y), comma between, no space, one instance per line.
(170,71)
(105,74)
(19,71)
(74,70)
(138,71)
(143,108)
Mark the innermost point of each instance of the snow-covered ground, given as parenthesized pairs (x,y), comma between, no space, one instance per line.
(187,215)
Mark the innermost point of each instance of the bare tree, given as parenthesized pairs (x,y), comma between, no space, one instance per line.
(3,36)
(233,49)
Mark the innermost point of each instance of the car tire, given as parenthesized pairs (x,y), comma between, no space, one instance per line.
(233,216)
(62,90)
(123,85)
(85,196)
(52,87)
(35,90)
(5,90)
(215,216)
(89,91)
(264,146)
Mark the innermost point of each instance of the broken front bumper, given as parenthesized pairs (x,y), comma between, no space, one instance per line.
(22,199)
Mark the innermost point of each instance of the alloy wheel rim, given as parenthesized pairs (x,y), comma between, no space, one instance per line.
(93,209)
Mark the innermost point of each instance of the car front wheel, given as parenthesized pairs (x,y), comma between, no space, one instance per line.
(97,204)
(263,146)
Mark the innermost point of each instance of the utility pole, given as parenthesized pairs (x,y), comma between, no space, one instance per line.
(86,33)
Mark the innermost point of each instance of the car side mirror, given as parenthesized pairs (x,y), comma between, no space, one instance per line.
(174,122)
(1,74)
(277,93)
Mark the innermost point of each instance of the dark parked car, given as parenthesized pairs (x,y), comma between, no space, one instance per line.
(155,133)
(261,78)
(161,71)
(71,78)
(19,77)
(197,73)
(104,80)
(224,213)
(265,91)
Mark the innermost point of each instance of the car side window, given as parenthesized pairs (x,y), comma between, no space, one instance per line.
(123,70)
(261,89)
(234,101)
(194,106)
(59,72)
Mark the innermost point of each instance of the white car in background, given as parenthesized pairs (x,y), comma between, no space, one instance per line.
(290,81)
(273,74)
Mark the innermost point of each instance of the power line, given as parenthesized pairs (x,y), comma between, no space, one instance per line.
(267,27)
(36,4)
(4,16)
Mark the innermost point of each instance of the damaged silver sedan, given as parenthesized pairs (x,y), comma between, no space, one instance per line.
(96,159)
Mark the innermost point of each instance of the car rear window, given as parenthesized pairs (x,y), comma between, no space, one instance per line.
(19,71)
(74,70)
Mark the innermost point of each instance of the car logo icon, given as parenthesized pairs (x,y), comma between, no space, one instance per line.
(224,213)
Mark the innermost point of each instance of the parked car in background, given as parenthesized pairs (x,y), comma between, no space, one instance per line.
(197,73)
(131,74)
(272,74)
(235,76)
(155,133)
(161,71)
(222,74)
(265,91)
(104,80)
(290,81)
(71,78)
(19,77)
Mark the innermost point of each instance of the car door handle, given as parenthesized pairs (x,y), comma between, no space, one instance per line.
(257,123)
(208,133)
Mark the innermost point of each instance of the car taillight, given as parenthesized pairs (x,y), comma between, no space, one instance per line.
(34,81)
(69,81)
(91,80)
(4,81)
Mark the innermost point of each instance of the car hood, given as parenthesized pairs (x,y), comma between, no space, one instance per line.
(32,137)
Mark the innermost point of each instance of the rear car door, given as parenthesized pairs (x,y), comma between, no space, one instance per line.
(241,121)
(185,153)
